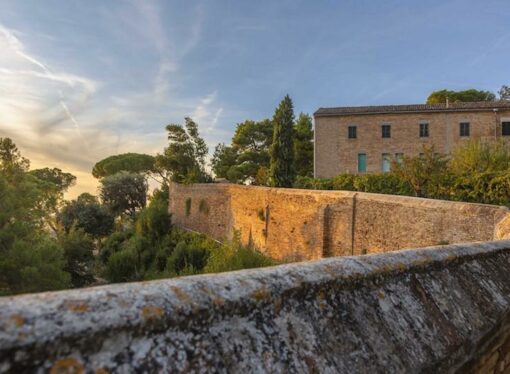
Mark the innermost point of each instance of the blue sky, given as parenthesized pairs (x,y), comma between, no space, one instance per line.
(81,80)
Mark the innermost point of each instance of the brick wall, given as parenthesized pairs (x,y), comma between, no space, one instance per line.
(303,224)
(335,153)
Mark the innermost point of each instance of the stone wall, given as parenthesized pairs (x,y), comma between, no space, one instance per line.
(296,224)
(433,310)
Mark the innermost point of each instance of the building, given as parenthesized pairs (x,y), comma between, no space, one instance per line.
(368,138)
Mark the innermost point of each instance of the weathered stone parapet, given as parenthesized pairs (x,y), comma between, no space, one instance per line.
(293,224)
(434,309)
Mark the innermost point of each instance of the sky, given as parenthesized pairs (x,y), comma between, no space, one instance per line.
(83,80)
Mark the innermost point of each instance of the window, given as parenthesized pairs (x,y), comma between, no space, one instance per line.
(386,131)
(399,157)
(464,129)
(352,132)
(505,128)
(386,162)
(362,162)
(424,130)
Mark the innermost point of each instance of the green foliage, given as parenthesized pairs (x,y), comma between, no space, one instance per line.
(233,256)
(154,222)
(386,183)
(188,206)
(184,158)
(78,249)
(32,265)
(439,97)
(128,162)
(261,214)
(86,213)
(475,172)
(282,172)
(203,207)
(425,174)
(122,266)
(124,193)
(114,243)
(187,259)
(303,145)
(248,153)
(30,259)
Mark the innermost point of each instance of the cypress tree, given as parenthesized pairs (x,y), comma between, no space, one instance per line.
(282,173)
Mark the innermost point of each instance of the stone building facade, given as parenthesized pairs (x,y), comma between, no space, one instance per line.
(367,139)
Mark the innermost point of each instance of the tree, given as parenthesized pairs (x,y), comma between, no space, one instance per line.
(10,157)
(504,93)
(425,173)
(154,222)
(30,259)
(86,213)
(184,158)
(78,249)
(471,95)
(248,153)
(282,173)
(53,183)
(223,160)
(130,162)
(124,192)
(32,263)
(303,145)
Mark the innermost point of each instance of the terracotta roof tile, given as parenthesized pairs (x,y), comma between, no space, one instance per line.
(414,108)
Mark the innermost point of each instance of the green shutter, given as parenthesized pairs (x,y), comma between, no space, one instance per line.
(362,163)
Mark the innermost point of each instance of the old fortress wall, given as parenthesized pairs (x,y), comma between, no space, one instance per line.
(296,224)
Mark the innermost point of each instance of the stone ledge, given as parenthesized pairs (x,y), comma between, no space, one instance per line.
(409,310)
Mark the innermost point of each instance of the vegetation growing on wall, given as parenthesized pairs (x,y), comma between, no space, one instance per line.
(203,207)
(188,206)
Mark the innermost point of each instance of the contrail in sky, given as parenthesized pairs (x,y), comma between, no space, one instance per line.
(17,46)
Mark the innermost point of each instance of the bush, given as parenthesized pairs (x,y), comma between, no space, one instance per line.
(188,206)
(154,222)
(233,256)
(78,249)
(122,266)
(187,259)
(114,244)
(33,266)
(387,183)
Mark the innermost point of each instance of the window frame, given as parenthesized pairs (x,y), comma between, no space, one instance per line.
(386,157)
(464,129)
(424,130)
(354,132)
(386,134)
(503,123)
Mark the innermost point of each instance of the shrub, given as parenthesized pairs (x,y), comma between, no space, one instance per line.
(78,251)
(203,207)
(33,266)
(114,244)
(188,206)
(154,222)
(261,214)
(233,256)
(122,266)
(186,259)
